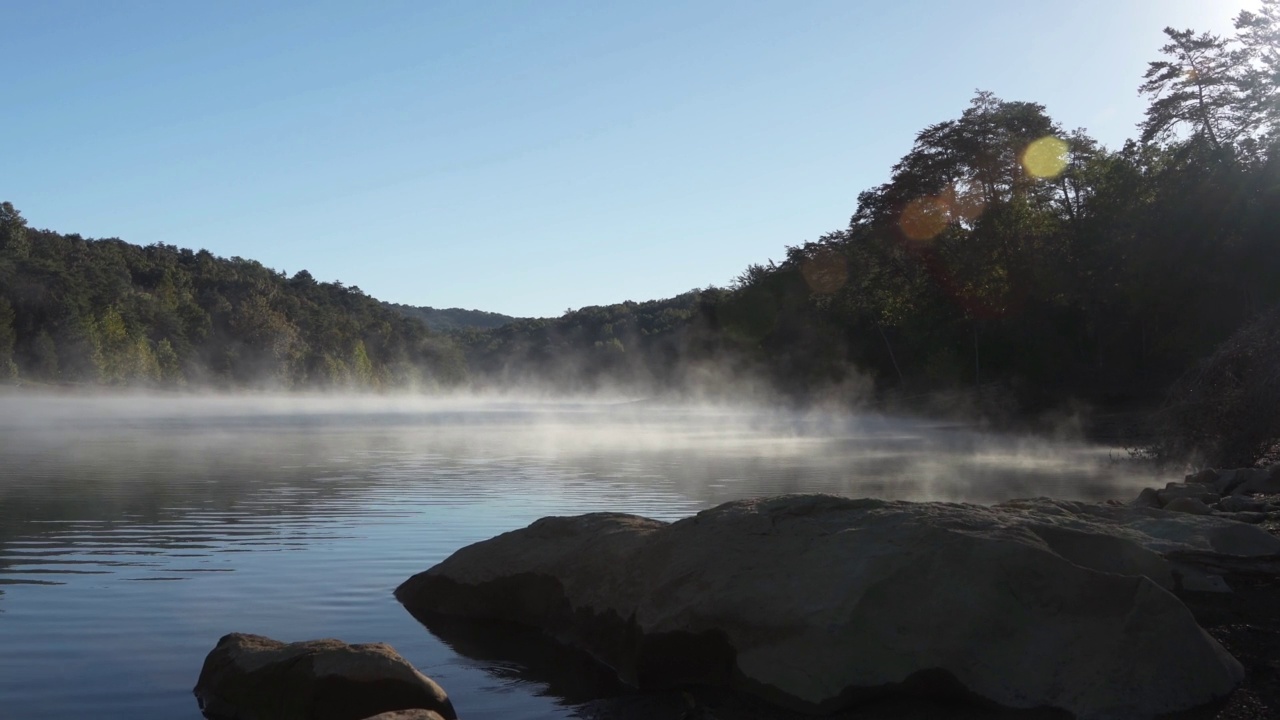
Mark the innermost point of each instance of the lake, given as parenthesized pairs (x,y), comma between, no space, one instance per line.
(135,531)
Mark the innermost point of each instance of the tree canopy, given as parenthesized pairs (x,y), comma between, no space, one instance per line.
(106,311)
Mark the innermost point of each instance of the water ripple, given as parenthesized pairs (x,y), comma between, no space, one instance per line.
(149,539)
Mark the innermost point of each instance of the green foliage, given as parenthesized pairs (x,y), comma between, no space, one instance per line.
(168,366)
(105,311)
(636,346)
(44,357)
(361,367)
(13,231)
(451,319)
(7,335)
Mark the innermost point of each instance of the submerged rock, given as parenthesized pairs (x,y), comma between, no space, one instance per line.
(816,603)
(250,677)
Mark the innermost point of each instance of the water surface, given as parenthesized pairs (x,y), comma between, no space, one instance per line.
(136,531)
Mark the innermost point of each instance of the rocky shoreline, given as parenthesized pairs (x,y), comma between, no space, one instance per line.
(794,606)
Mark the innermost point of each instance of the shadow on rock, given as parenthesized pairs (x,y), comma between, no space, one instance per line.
(512,651)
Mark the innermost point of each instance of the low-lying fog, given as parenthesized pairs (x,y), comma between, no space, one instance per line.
(709,453)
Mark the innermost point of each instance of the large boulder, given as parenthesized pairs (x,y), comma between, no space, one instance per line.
(816,603)
(1195,491)
(1258,481)
(250,677)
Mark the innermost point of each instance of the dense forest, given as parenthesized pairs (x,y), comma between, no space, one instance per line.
(1006,255)
(105,311)
(446,319)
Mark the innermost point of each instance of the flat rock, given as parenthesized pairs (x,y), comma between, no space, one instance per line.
(816,603)
(1159,531)
(251,677)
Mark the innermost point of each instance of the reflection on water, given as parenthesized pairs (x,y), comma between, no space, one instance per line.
(134,533)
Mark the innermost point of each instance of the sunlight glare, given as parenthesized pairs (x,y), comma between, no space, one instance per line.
(925,218)
(1046,157)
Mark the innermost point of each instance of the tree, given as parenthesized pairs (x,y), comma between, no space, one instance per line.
(1258,34)
(8,368)
(1200,86)
(361,366)
(168,365)
(13,230)
(44,356)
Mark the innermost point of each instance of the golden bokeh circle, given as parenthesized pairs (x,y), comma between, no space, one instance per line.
(924,218)
(1046,157)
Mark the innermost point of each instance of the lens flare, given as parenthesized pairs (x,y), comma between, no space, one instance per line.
(1046,157)
(825,272)
(925,218)
(964,204)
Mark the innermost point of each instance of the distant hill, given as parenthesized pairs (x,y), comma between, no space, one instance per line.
(632,346)
(75,310)
(444,320)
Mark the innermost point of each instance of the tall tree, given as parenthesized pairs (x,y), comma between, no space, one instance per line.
(1200,86)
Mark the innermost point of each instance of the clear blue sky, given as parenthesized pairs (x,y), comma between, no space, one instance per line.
(523,157)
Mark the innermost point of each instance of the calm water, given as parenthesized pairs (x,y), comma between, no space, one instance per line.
(135,532)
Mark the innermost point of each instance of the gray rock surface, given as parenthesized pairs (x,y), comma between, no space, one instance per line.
(250,677)
(1247,495)
(1243,516)
(1208,476)
(1235,481)
(1257,480)
(1192,505)
(1195,491)
(815,602)
(1147,498)
(1238,503)
(407,715)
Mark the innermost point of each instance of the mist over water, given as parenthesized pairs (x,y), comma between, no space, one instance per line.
(136,530)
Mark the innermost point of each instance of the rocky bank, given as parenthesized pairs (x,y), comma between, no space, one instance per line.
(817,604)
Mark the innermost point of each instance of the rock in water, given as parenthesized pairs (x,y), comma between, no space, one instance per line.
(816,602)
(250,677)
